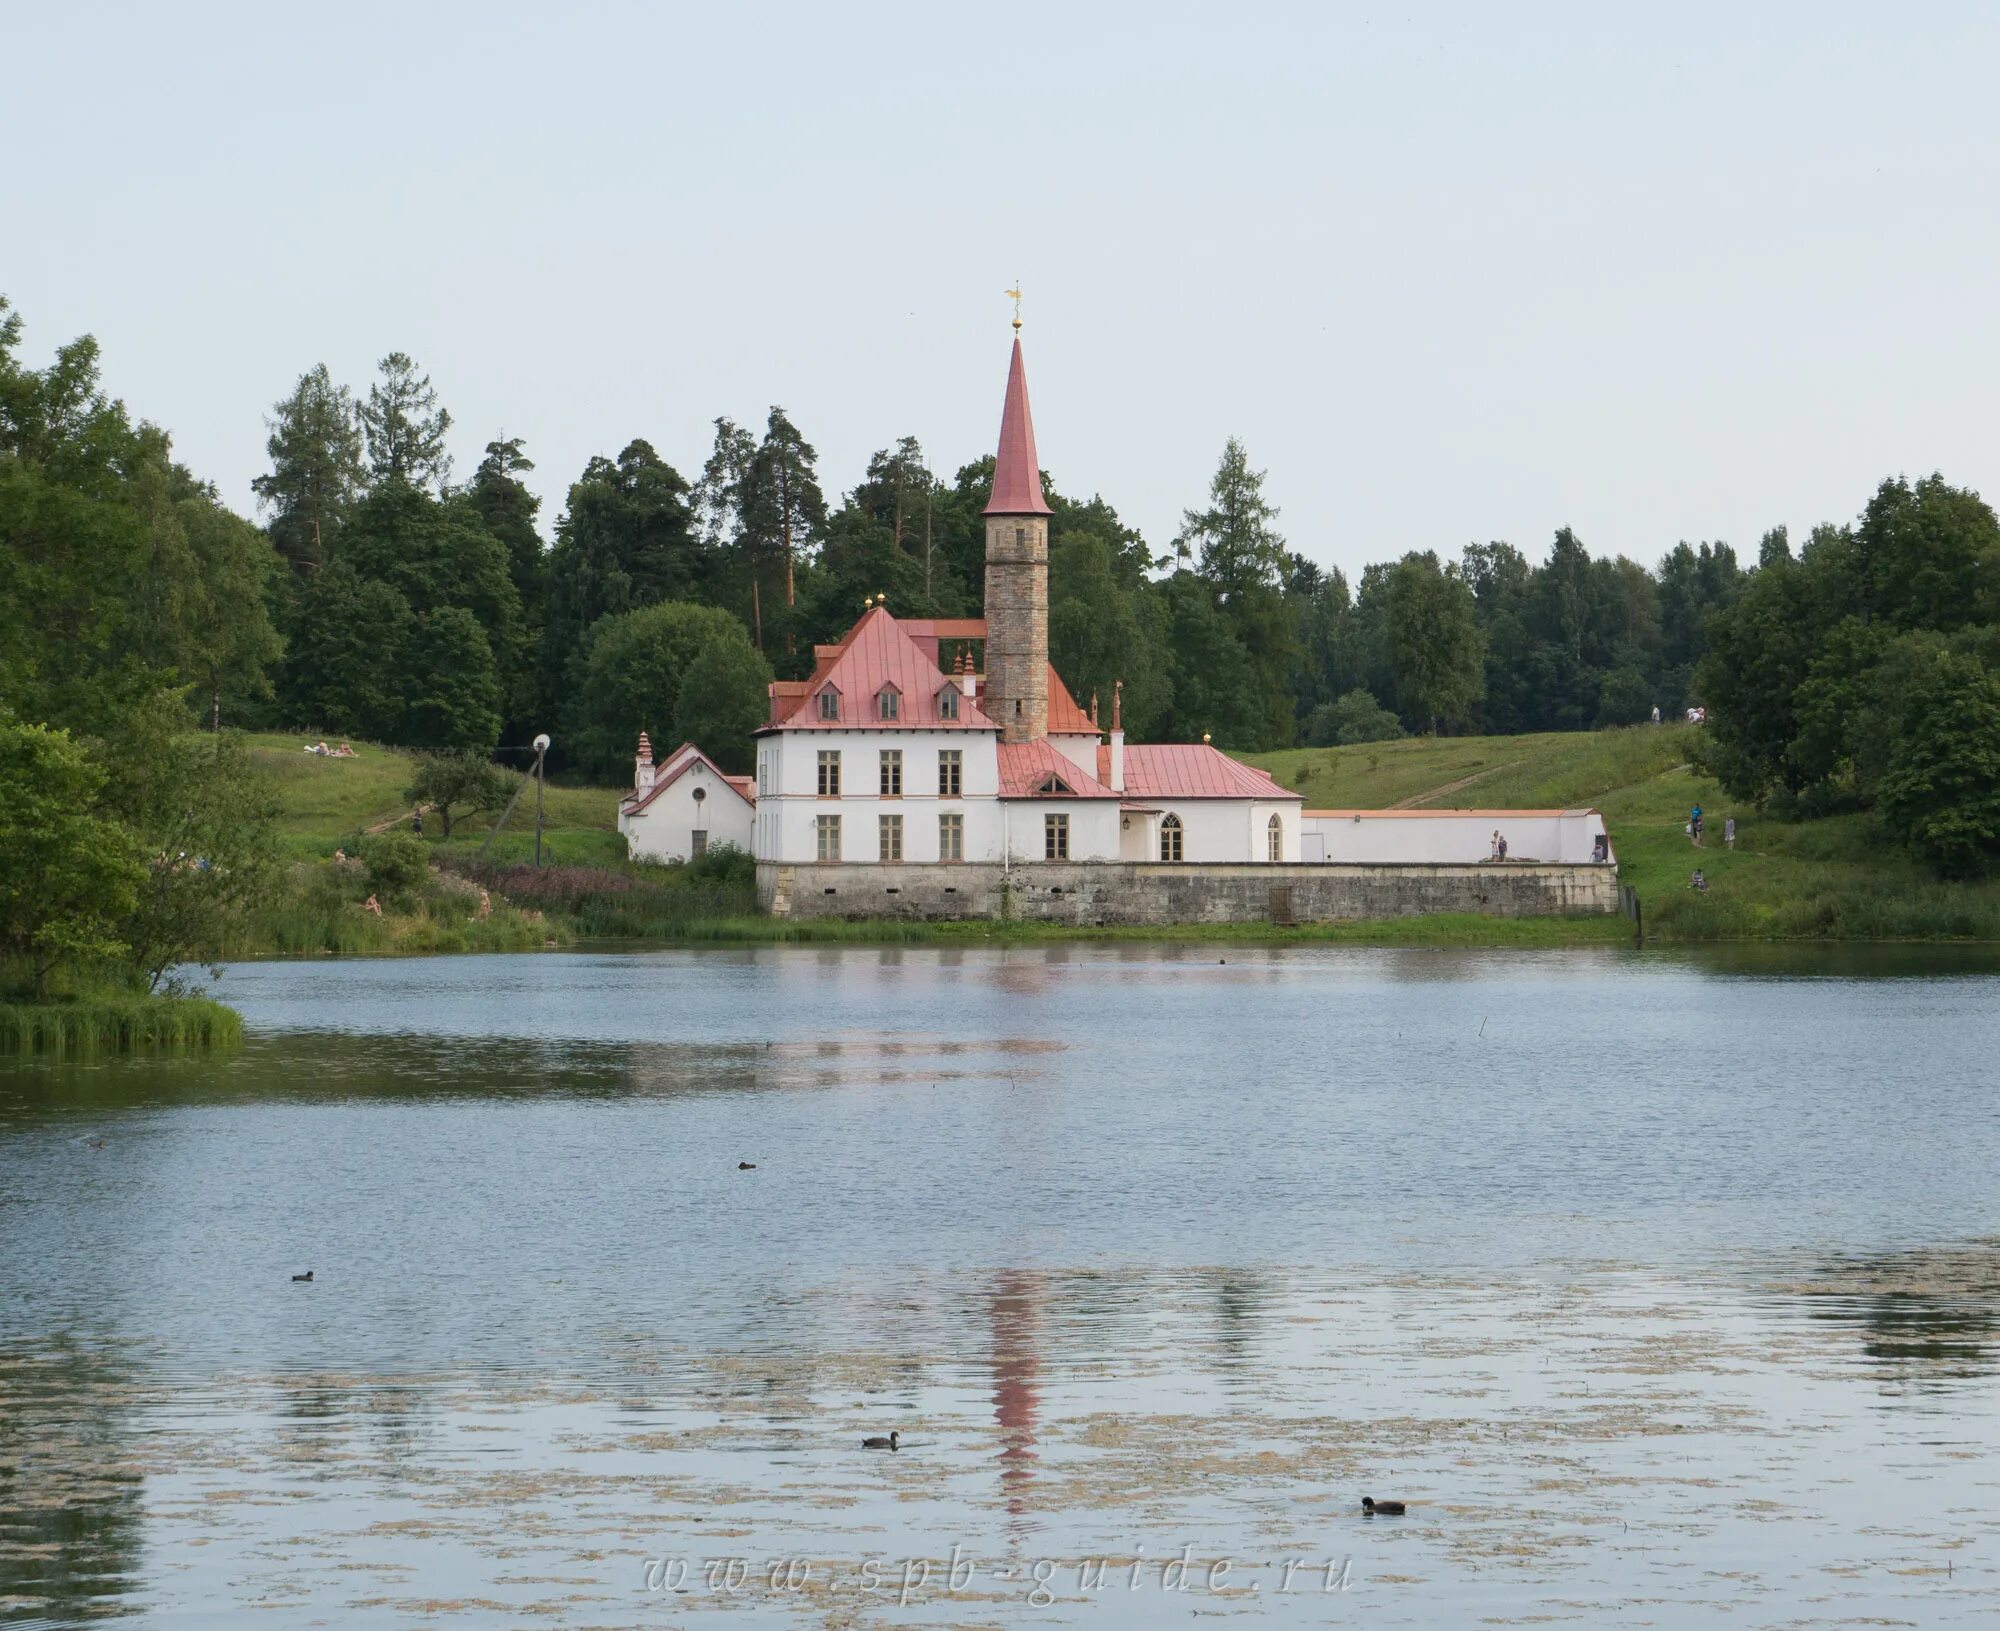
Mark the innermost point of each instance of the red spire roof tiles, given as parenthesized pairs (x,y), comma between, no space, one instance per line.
(1017,474)
(1065,717)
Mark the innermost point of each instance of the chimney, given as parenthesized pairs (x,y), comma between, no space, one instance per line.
(1118,737)
(642,776)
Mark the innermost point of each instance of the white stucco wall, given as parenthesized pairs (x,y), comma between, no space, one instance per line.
(1218,829)
(789,805)
(1392,836)
(664,830)
(1079,749)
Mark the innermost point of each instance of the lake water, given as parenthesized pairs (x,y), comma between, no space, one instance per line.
(1666,1291)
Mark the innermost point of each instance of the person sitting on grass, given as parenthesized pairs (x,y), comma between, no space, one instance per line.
(1698,881)
(371,904)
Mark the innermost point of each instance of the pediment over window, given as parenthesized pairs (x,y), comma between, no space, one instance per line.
(889,702)
(1055,785)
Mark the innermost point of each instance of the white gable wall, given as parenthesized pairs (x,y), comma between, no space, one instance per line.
(665,829)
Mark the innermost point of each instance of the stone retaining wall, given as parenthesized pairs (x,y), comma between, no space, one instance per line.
(1099,893)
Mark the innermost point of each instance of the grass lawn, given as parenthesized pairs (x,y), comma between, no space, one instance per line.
(323,803)
(1839,878)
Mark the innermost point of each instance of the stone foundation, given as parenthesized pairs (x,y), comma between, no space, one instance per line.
(1140,893)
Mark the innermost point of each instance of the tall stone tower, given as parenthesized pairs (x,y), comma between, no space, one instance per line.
(1017,574)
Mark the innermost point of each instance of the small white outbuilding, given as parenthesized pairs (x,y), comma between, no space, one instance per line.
(684,806)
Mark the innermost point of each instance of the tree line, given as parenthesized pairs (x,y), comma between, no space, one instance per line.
(430,614)
(381,597)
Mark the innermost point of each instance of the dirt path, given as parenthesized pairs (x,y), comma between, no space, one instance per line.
(390,821)
(1416,799)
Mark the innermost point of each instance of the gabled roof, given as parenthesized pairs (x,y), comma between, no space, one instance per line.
(1026,766)
(1189,770)
(1017,474)
(677,764)
(875,655)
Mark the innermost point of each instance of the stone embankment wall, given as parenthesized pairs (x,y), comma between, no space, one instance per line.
(1143,893)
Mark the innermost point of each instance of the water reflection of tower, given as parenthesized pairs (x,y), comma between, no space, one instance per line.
(1016,1312)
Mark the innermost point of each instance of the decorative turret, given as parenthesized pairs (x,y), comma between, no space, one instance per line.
(642,775)
(1017,573)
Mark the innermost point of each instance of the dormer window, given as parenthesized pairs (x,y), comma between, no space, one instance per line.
(948,702)
(1057,786)
(829,703)
(888,703)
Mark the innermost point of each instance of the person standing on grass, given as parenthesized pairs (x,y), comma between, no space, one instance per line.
(417,822)
(1729,832)
(1694,825)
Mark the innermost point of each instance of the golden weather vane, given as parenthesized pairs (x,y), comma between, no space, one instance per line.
(1014,294)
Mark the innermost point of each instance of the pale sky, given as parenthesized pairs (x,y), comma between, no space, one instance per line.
(1452,273)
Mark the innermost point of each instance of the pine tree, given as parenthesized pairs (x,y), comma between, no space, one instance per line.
(316,471)
(784,512)
(1238,547)
(406,427)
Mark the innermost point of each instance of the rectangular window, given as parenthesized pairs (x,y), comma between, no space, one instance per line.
(829,837)
(700,843)
(890,702)
(891,840)
(1055,838)
(892,773)
(951,838)
(829,703)
(829,773)
(948,702)
(951,773)
(764,771)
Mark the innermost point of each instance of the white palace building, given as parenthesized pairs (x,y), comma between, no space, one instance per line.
(941,767)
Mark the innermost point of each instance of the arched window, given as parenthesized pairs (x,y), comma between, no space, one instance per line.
(1277,831)
(1170,838)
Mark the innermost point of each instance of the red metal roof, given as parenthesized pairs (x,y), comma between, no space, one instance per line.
(1017,474)
(875,654)
(1184,770)
(685,758)
(1025,766)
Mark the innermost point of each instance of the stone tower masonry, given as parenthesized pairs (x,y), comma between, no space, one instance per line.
(1017,575)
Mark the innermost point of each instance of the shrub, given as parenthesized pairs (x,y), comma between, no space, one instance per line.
(397,863)
(724,864)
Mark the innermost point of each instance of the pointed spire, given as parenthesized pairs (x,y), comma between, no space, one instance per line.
(1017,475)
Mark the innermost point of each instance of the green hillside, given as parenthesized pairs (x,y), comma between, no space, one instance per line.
(324,803)
(1839,878)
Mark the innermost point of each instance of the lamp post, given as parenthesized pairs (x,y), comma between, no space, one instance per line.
(541,754)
